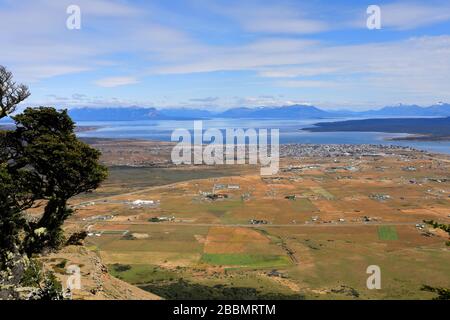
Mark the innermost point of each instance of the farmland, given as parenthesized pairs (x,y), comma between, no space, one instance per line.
(309,232)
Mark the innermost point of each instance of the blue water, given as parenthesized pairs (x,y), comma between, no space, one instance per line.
(289,132)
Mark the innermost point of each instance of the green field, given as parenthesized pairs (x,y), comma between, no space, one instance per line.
(387,233)
(303,205)
(140,273)
(246,260)
(219,209)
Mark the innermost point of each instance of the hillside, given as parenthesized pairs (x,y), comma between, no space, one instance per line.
(97,283)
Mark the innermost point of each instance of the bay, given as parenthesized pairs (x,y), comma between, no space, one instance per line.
(290,132)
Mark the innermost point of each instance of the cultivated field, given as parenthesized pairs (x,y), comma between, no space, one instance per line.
(309,232)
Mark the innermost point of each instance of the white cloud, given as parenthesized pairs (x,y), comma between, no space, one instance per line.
(271,43)
(418,65)
(36,72)
(102,8)
(113,82)
(269,18)
(205,100)
(296,71)
(40,46)
(270,23)
(77,100)
(412,15)
(306,84)
(263,100)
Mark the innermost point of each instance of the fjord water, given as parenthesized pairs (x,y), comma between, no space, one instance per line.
(290,132)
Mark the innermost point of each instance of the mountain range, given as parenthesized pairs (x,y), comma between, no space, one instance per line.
(284,112)
(141,113)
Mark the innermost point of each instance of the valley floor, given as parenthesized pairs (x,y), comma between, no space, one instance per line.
(309,232)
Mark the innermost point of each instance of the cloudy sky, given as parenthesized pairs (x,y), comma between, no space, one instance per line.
(221,54)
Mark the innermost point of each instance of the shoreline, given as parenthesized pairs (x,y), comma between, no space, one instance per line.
(423,138)
(415,129)
(87,128)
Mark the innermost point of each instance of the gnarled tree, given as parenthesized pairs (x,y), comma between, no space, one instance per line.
(15,195)
(62,167)
(41,160)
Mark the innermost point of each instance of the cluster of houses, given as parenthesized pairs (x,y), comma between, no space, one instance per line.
(342,168)
(92,234)
(99,218)
(343,150)
(380,197)
(225,186)
(143,203)
(420,226)
(257,221)
(162,219)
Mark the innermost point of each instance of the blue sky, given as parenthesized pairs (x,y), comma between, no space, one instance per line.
(222,54)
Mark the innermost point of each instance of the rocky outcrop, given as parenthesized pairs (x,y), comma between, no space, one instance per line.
(96,283)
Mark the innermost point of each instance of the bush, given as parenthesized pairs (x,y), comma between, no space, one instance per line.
(443,293)
(121,267)
(76,239)
(32,276)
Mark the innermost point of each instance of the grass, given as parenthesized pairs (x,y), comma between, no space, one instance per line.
(387,233)
(141,273)
(246,260)
(113,232)
(185,290)
(122,179)
(179,283)
(144,177)
(303,205)
(221,208)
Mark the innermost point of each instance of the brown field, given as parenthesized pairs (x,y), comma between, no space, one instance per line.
(322,240)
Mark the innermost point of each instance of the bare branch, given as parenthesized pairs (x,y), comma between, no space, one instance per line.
(11,94)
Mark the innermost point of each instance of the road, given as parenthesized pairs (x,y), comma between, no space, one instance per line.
(313,225)
(79,204)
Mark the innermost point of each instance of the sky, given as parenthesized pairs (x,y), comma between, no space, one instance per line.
(231,53)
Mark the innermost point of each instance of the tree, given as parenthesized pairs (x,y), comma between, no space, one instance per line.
(14,193)
(62,167)
(41,161)
(15,197)
(11,94)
